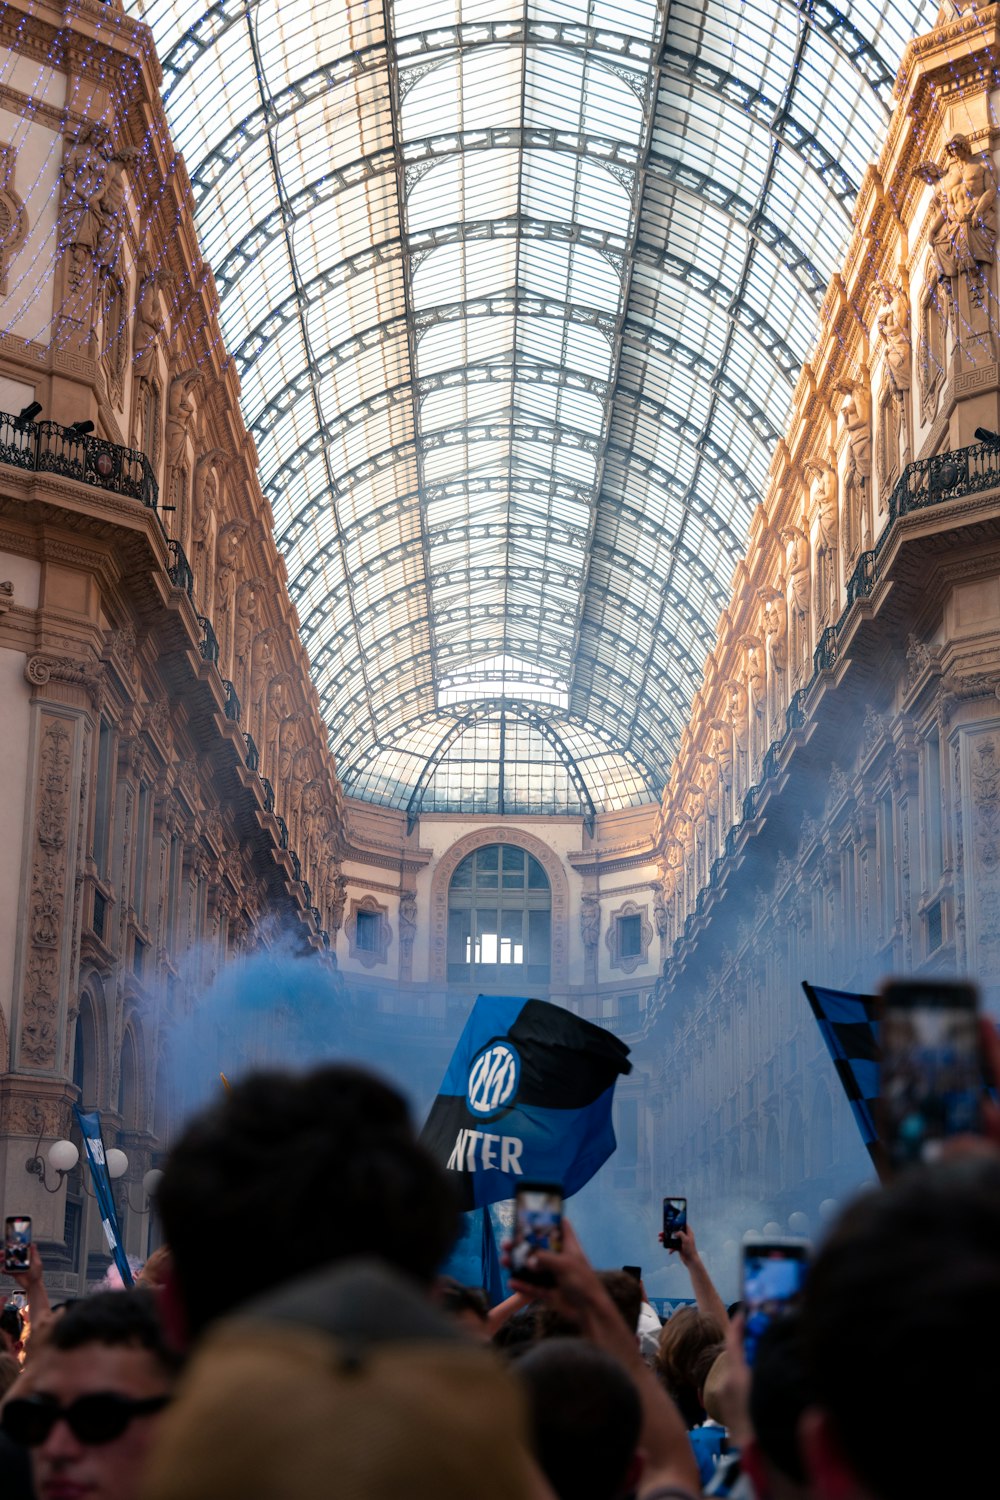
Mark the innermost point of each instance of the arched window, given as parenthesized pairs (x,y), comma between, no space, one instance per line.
(128,1087)
(499,919)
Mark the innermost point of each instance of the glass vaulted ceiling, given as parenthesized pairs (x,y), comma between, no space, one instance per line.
(518,294)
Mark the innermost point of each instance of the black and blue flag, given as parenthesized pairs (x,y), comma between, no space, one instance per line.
(850,1030)
(527,1096)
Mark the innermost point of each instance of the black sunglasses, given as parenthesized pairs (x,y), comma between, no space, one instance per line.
(91,1419)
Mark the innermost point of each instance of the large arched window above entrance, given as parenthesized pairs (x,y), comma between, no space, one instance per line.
(499,919)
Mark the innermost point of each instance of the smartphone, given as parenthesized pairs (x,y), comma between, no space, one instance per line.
(931,1078)
(675,1216)
(17,1243)
(634,1271)
(538,1212)
(774,1274)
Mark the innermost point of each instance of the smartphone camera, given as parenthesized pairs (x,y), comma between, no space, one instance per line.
(17,1243)
(538,1211)
(675,1216)
(931,1069)
(774,1275)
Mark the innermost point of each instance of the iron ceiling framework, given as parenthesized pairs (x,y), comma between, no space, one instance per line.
(518,294)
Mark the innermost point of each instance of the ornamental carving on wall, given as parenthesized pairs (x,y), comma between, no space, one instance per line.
(48,896)
(13,216)
(558,887)
(628,963)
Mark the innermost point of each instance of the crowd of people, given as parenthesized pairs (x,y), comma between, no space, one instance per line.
(296,1341)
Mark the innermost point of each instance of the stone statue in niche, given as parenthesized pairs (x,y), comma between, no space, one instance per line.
(855,410)
(148,323)
(661,917)
(590,921)
(736,713)
(407,923)
(796,543)
(206,501)
(91,218)
(227,554)
(180,413)
(338,898)
(247,618)
(963,230)
(823,499)
(775,626)
(722,748)
(893,324)
(756,671)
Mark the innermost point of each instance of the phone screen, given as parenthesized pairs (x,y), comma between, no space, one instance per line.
(17,1244)
(675,1216)
(931,1071)
(774,1273)
(537,1226)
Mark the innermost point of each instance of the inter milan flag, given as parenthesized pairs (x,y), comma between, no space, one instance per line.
(93,1140)
(850,1032)
(527,1096)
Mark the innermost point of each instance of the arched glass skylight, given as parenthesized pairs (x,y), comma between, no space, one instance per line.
(518,295)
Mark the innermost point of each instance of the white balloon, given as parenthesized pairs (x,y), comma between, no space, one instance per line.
(828,1208)
(772,1228)
(798,1222)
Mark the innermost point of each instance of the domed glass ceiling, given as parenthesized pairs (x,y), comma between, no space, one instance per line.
(518,294)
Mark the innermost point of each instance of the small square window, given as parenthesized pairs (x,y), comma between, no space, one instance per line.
(366,933)
(630,936)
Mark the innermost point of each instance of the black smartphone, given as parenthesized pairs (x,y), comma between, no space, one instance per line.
(538,1212)
(931,1076)
(774,1274)
(634,1271)
(675,1216)
(17,1243)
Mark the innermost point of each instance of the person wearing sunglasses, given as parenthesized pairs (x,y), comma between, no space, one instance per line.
(89,1411)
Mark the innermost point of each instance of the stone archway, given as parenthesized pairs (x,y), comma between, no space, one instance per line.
(558,885)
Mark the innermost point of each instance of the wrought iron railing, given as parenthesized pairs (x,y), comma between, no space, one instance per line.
(209,640)
(296,865)
(253,754)
(233,707)
(49,448)
(180,571)
(268,794)
(282,830)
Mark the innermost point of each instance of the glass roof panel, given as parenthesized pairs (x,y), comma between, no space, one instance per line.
(518,297)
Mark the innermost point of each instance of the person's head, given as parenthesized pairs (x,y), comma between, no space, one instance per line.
(287,1174)
(901,1306)
(683,1340)
(468,1305)
(11,1328)
(586,1416)
(9,1371)
(778,1397)
(626,1293)
(95,1393)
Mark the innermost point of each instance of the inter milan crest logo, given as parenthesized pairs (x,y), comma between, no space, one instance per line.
(493,1079)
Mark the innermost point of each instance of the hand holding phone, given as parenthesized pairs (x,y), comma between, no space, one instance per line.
(538,1212)
(17,1244)
(774,1275)
(931,1078)
(675,1216)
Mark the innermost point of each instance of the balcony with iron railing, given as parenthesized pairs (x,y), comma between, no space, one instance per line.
(50,448)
